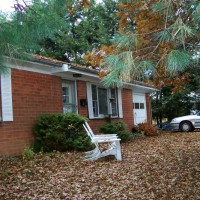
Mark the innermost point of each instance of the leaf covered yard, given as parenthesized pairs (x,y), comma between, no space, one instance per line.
(162,167)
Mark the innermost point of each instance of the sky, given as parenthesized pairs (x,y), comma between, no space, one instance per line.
(6,5)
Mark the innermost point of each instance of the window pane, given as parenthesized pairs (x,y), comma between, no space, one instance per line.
(141,105)
(113,93)
(94,92)
(114,109)
(103,103)
(113,102)
(136,105)
(69,108)
(94,100)
(66,97)
(95,108)
(68,94)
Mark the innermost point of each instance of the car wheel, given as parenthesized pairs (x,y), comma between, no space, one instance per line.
(186,126)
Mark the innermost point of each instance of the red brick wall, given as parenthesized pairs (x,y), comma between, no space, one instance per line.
(82,94)
(148,106)
(127,106)
(0,101)
(33,94)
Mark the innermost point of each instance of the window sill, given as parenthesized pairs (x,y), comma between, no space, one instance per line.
(105,117)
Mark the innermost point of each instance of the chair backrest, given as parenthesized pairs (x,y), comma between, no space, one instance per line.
(89,129)
(90,136)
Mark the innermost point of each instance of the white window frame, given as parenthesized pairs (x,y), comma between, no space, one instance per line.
(90,102)
(6,96)
(70,82)
(98,109)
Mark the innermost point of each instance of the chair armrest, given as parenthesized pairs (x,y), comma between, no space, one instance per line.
(104,140)
(106,135)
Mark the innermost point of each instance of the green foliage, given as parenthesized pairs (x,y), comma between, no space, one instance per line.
(121,67)
(178,60)
(128,41)
(116,128)
(165,104)
(194,75)
(137,134)
(165,34)
(89,29)
(80,142)
(112,128)
(60,132)
(48,28)
(125,135)
(27,28)
(158,7)
(28,154)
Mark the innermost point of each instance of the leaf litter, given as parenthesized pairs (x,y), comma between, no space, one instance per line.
(162,167)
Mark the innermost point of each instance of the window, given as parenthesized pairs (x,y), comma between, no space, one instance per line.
(138,105)
(141,105)
(94,100)
(6,96)
(104,101)
(69,97)
(113,101)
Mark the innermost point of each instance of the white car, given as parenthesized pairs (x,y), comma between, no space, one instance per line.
(186,123)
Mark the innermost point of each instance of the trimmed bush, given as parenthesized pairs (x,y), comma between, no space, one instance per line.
(125,135)
(146,129)
(60,132)
(116,128)
(112,127)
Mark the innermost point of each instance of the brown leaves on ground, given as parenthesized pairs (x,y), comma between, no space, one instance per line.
(162,167)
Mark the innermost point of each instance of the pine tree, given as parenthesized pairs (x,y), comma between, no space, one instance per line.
(62,29)
(20,36)
(154,35)
(89,28)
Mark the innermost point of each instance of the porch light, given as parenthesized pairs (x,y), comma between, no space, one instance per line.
(77,75)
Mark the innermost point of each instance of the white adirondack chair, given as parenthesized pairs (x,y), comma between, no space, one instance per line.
(114,147)
(100,135)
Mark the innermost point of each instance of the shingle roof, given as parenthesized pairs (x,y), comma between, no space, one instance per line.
(58,63)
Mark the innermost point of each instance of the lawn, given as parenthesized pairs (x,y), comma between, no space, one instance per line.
(161,167)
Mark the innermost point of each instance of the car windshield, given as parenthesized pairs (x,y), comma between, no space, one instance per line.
(198,113)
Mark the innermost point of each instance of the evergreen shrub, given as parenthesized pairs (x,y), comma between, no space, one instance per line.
(60,132)
(116,128)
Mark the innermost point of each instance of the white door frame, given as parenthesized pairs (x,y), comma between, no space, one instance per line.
(139,108)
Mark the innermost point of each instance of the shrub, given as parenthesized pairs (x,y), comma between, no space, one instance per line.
(112,128)
(60,132)
(125,135)
(116,128)
(146,129)
(28,154)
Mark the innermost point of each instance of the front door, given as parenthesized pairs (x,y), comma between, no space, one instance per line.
(139,108)
(69,97)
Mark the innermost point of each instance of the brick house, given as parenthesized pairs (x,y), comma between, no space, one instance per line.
(44,85)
